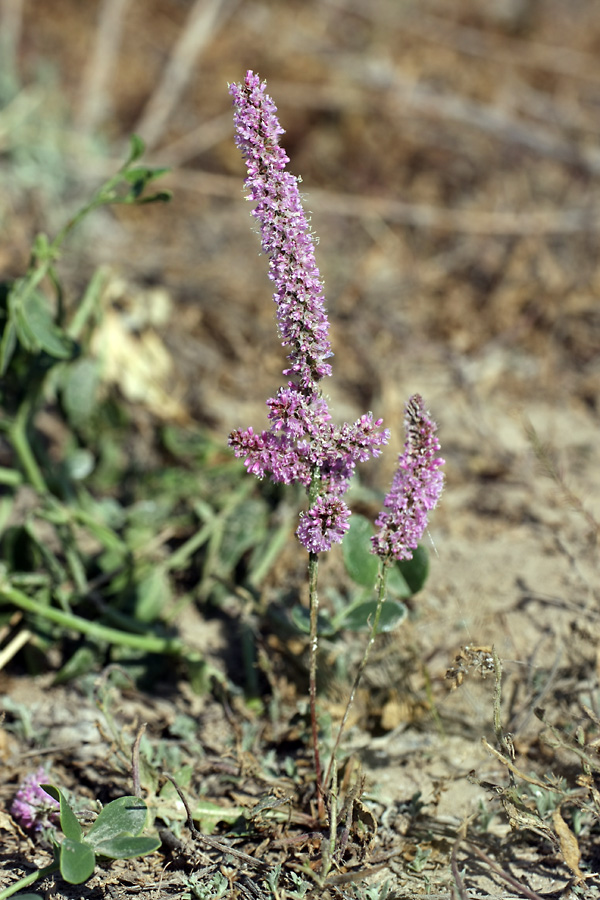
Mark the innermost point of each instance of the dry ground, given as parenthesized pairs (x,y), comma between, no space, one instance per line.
(449,155)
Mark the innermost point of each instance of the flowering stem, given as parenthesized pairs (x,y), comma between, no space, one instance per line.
(381,595)
(313,568)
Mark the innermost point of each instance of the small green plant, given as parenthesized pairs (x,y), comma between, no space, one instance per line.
(372,891)
(116,834)
(203,888)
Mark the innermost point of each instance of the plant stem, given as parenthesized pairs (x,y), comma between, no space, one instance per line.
(149,643)
(381,595)
(20,441)
(313,569)
(29,879)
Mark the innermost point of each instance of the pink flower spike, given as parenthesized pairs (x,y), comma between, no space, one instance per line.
(285,233)
(416,487)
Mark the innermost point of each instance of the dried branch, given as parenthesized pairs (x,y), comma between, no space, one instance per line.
(94,99)
(204,18)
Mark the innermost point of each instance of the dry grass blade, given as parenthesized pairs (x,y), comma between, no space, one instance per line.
(472,41)
(417,215)
(521,888)
(212,842)
(459,883)
(204,18)
(14,645)
(94,100)
(424,101)
(11,26)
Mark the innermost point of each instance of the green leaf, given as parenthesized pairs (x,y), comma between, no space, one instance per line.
(361,615)
(77,861)
(300,616)
(68,821)
(143,175)
(121,817)
(136,150)
(35,323)
(128,846)
(41,248)
(153,594)
(396,584)
(198,674)
(158,197)
(245,527)
(80,663)
(362,566)
(208,815)
(139,179)
(7,345)
(80,390)
(415,570)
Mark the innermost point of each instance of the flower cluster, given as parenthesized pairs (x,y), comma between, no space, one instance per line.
(416,487)
(32,807)
(302,445)
(285,233)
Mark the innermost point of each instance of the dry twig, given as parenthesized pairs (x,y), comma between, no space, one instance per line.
(204,18)
(94,89)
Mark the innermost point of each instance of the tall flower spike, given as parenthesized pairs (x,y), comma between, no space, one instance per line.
(285,233)
(416,487)
(302,445)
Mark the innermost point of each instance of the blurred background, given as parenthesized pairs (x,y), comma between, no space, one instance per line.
(449,158)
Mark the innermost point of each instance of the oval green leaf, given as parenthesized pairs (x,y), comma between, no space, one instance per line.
(136,149)
(300,616)
(80,390)
(361,616)
(361,565)
(77,861)
(121,817)
(27,897)
(152,595)
(396,584)
(127,846)
(80,663)
(415,570)
(35,318)
(245,527)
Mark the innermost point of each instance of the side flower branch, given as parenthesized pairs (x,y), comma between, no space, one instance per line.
(416,487)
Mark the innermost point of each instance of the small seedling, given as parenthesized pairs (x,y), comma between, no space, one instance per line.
(116,834)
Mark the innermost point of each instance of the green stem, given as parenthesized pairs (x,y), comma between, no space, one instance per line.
(18,436)
(29,879)
(89,303)
(381,595)
(313,569)
(148,643)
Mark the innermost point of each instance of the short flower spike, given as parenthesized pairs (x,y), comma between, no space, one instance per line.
(416,487)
